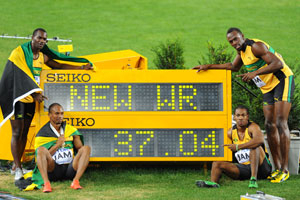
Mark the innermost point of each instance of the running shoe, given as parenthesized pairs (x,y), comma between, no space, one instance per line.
(253,183)
(281,177)
(207,184)
(25,171)
(47,187)
(273,174)
(18,174)
(75,185)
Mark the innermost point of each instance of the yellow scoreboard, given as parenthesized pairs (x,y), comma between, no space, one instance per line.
(144,115)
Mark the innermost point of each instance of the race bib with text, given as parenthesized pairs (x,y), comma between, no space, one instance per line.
(243,155)
(258,82)
(63,156)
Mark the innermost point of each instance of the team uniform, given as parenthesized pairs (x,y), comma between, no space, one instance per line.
(63,157)
(276,86)
(243,157)
(25,108)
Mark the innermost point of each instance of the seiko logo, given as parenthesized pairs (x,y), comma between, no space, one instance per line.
(61,77)
(80,121)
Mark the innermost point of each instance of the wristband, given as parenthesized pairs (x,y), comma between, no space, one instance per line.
(236,147)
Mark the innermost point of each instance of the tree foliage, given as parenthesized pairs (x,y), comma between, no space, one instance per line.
(169,55)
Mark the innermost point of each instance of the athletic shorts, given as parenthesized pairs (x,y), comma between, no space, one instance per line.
(62,172)
(23,111)
(282,92)
(264,170)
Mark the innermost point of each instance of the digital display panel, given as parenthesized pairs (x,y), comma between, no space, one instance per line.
(136,96)
(154,142)
(144,115)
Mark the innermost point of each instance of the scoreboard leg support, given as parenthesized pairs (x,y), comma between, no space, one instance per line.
(205,168)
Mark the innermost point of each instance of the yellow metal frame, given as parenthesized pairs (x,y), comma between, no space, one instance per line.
(151,119)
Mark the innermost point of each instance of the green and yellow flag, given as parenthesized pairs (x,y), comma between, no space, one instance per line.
(47,138)
(17,80)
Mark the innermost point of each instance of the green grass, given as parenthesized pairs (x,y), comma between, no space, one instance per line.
(152,183)
(105,26)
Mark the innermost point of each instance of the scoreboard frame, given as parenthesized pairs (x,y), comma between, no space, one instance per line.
(138,121)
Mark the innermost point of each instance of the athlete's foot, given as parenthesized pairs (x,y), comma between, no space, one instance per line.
(273,174)
(47,187)
(75,185)
(253,183)
(207,184)
(18,174)
(281,177)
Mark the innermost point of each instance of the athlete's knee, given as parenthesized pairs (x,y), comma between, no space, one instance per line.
(42,151)
(85,149)
(269,125)
(217,165)
(281,124)
(17,132)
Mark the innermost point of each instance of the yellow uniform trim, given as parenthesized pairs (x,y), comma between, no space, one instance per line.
(253,63)
(236,139)
(37,68)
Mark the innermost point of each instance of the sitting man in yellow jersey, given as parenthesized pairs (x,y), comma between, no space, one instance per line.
(56,143)
(267,69)
(248,150)
(20,90)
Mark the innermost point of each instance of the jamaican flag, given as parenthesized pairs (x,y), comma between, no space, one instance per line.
(17,80)
(47,138)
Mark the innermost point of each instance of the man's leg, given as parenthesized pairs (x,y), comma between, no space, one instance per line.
(17,130)
(218,167)
(27,123)
(257,156)
(282,110)
(45,164)
(228,168)
(272,134)
(80,164)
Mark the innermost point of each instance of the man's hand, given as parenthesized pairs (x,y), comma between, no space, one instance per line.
(38,97)
(232,147)
(61,140)
(247,76)
(201,67)
(87,67)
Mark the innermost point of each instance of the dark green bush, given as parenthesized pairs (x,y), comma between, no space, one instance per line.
(169,55)
(216,55)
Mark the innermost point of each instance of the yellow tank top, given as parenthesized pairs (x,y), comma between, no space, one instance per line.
(37,68)
(252,63)
(236,140)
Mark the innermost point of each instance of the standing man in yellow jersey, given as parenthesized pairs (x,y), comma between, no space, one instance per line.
(19,88)
(268,71)
(247,146)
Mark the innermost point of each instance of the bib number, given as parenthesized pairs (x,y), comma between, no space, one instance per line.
(258,82)
(37,79)
(63,156)
(243,155)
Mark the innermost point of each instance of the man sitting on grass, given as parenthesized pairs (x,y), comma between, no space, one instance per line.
(247,140)
(56,145)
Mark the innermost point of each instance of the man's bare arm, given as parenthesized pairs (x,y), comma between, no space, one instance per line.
(234,66)
(257,137)
(55,65)
(260,50)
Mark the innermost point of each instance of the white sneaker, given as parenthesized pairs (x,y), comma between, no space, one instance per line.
(18,174)
(25,171)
